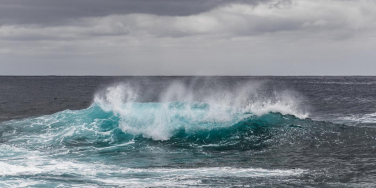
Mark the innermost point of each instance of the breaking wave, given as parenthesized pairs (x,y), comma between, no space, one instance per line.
(118,115)
(180,107)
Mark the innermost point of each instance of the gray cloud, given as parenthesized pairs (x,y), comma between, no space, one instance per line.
(56,12)
(322,18)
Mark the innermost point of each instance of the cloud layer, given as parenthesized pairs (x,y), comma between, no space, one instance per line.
(86,28)
(336,18)
(51,12)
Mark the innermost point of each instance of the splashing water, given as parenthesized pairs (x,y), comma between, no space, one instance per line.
(182,107)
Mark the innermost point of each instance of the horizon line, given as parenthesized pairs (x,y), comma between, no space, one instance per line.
(187,75)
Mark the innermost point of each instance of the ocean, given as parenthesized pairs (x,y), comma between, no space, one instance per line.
(187,131)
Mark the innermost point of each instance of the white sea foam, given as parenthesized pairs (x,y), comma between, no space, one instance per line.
(16,162)
(194,176)
(361,118)
(34,163)
(8,169)
(138,176)
(220,172)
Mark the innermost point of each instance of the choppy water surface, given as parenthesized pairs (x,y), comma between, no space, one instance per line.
(184,132)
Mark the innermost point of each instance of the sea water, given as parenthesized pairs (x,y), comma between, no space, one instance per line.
(187,131)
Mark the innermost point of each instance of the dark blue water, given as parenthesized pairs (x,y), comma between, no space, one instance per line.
(187,131)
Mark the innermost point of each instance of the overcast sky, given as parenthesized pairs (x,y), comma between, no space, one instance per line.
(188,37)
